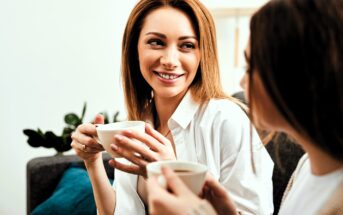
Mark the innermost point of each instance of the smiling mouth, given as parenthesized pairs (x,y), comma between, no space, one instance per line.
(168,76)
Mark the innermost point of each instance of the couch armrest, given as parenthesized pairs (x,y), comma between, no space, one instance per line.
(44,173)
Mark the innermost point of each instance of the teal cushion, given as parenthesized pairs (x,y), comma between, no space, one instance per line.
(73,195)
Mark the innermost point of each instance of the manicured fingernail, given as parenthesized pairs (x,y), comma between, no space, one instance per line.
(161,180)
(118,137)
(114,147)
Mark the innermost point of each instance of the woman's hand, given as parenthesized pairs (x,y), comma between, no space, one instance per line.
(155,147)
(178,201)
(84,144)
(181,200)
(218,196)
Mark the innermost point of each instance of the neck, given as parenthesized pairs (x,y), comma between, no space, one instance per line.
(165,107)
(321,162)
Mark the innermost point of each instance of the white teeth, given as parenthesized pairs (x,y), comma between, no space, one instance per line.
(166,76)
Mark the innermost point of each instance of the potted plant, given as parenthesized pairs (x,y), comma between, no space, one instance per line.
(61,143)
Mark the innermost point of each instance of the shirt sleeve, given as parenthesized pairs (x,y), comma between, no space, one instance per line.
(252,192)
(127,198)
(230,149)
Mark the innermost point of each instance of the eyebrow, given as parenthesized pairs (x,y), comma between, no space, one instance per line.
(164,36)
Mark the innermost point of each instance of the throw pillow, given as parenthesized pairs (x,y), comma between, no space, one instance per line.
(73,195)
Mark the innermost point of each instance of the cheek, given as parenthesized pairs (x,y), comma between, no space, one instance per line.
(191,64)
(144,57)
(146,60)
(265,116)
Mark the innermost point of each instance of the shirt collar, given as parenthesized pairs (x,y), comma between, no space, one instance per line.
(184,113)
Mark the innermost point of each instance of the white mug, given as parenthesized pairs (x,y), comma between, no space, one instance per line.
(192,174)
(106,133)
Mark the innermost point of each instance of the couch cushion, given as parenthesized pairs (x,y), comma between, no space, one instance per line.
(73,195)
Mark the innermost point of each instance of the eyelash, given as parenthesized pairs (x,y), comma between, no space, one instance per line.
(155,43)
(188,45)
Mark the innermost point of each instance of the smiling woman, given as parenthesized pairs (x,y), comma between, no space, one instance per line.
(171,80)
(168,57)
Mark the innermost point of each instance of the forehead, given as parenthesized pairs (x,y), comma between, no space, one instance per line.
(168,20)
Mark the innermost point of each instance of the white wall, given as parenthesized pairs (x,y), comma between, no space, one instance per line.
(55,55)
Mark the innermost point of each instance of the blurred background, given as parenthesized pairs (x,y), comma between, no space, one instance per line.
(56,55)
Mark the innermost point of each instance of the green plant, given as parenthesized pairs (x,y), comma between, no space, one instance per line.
(48,139)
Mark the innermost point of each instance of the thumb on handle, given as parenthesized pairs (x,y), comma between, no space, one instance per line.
(99,119)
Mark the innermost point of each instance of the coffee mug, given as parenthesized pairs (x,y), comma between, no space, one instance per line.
(106,133)
(192,174)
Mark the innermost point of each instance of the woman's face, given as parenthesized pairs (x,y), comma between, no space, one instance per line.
(168,52)
(264,112)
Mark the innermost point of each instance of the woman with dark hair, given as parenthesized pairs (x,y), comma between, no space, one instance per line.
(294,84)
(171,79)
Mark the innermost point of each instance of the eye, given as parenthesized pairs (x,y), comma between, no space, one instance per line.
(155,43)
(188,45)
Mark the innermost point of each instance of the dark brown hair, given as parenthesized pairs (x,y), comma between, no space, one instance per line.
(297,51)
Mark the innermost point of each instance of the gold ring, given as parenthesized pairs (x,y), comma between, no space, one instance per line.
(84,147)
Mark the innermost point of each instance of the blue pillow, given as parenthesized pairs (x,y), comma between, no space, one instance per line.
(73,195)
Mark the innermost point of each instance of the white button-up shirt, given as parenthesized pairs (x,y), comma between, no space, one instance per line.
(216,134)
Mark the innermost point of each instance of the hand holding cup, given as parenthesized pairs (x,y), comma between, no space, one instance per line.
(84,143)
(155,147)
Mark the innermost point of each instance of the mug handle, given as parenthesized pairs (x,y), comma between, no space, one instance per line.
(95,137)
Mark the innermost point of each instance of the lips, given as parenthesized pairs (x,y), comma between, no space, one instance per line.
(168,76)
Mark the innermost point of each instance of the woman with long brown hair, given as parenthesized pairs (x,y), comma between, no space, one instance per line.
(171,80)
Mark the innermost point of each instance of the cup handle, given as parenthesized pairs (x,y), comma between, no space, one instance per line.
(97,139)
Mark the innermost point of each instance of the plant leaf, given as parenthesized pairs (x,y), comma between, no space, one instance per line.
(115,117)
(106,118)
(62,144)
(83,111)
(40,132)
(34,138)
(72,119)
(67,131)
(50,139)
(63,147)
(30,132)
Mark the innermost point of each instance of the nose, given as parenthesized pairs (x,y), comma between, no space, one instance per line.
(170,59)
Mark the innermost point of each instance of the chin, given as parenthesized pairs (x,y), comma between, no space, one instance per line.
(170,93)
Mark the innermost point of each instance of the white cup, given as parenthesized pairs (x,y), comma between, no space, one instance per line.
(106,133)
(192,174)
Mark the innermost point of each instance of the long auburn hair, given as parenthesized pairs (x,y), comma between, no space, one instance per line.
(206,84)
(297,51)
